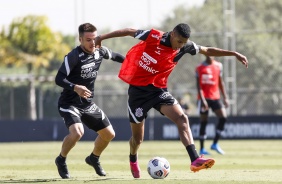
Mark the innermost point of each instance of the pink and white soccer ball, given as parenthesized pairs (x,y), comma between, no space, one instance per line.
(158,168)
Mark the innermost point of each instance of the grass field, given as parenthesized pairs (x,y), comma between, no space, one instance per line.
(246,161)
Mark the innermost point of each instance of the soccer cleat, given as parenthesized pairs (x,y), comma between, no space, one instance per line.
(62,169)
(201,163)
(135,169)
(96,165)
(203,151)
(217,148)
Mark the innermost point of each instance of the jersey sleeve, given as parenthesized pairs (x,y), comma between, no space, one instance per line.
(192,48)
(70,61)
(142,34)
(106,52)
(109,54)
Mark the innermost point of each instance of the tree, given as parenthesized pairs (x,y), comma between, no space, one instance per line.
(30,42)
(258,36)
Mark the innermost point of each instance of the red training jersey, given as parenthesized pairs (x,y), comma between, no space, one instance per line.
(208,75)
(148,62)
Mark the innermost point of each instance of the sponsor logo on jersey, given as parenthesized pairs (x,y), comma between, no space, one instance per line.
(87,65)
(81,54)
(207,79)
(89,57)
(158,51)
(89,74)
(165,95)
(146,60)
(156,36)
(92,108)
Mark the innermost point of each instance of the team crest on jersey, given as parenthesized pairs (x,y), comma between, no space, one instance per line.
(96,54)
(138,112)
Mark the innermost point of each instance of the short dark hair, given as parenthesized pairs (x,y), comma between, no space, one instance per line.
(86,27)
(183,30)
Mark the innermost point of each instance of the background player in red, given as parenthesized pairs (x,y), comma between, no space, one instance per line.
(146,69)
(209,85)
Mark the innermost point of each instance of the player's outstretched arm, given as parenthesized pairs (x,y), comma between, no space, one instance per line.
(217,52)
(117,33)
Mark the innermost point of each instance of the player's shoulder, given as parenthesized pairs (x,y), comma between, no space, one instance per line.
(200,65)
(77,52)
(142,34)
(103,50)
(217,63)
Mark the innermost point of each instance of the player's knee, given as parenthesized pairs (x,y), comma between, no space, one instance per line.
(183,122)
(137,140)
(111,135)
(107,134)
(77,135)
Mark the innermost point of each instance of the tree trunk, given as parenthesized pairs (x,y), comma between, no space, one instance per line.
(32,96)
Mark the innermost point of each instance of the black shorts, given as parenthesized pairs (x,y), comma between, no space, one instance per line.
(92,116)
(142,99)
(213,104)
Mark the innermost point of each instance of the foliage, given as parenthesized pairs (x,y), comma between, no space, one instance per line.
(30,42)
(257,33)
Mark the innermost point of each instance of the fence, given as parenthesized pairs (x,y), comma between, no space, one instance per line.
(253,91)
(14,99)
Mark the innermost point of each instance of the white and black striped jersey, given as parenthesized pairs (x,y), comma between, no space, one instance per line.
(81,68)
(190,47)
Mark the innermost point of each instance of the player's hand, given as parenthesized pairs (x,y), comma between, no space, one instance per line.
(98,42)
(243,59)
(82,91)
(204,106)
(226,102)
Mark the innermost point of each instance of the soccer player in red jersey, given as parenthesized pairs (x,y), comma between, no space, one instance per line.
(210,84)
(146,69)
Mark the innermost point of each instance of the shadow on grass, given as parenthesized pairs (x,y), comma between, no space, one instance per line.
(52,180)
(28,181)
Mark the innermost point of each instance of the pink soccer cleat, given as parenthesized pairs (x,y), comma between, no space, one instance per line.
(201,163)
(135,169)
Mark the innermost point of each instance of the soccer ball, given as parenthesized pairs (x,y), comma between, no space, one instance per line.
(158,168)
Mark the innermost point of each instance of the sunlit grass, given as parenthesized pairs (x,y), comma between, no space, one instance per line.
(246,161)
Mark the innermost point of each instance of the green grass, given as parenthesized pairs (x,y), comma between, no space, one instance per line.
(246,162)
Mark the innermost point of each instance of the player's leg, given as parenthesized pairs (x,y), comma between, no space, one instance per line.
(176,114)
(137,130)
(203,125)
(103,139)
(76,131)
(139,103)
(203,136)
(222,118)
(71,117)
(95,119)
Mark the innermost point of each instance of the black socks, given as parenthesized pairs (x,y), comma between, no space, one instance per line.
(133,158)
(94,158)
(192,152)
